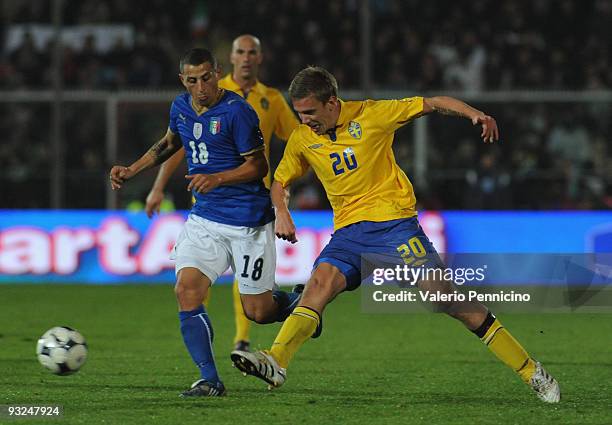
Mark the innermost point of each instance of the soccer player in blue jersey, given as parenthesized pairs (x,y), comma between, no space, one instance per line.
(275,118)
(349,147)
(231,222)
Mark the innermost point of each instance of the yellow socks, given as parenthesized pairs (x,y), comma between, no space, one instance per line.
(243,325)
(298,327)
(505,347)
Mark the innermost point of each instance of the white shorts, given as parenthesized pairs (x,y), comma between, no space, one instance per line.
(212,247)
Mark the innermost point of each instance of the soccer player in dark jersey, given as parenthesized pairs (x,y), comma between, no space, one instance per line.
(231,222)
(275,117)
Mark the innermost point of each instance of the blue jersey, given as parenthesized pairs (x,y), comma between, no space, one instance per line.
(217,140)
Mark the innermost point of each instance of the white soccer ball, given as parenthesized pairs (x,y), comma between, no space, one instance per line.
(62,350)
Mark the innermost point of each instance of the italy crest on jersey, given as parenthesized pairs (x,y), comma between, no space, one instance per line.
(354,130)
(197,130)
(215,125)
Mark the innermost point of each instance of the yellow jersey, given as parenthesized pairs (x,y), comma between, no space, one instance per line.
(358,169)
(275,115)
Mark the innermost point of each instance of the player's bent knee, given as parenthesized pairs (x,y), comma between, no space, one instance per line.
(262,318)
(448,306)
(450,309)
(259,308)
(453,308)
(258,315)
(323,286)
(188,299)
(190,294)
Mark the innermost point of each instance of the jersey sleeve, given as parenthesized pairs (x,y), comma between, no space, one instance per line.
(398,112)
(245,129)
(293,164)
(286,121)
(174,114)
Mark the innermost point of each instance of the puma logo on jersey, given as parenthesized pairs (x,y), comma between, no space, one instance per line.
(316,146)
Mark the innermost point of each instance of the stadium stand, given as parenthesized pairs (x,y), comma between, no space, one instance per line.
(555,156)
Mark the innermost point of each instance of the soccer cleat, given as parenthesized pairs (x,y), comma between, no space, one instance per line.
(545,386)
(298,289)
(261,365)
(242,345)
(202,388)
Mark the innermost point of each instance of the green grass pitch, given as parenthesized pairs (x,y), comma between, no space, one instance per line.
(365,369)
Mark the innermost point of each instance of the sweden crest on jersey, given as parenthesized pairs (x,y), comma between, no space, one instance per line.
(354,130)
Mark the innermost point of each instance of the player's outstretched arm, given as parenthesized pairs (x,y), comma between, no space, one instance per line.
(255,167)
(156,195)
(284,226)
(450,106)
(158,153)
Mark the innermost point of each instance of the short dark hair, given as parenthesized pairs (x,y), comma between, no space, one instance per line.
(197,56)
(316,81)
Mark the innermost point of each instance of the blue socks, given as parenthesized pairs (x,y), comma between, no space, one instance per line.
(198,333)
(198,337)
(287,301)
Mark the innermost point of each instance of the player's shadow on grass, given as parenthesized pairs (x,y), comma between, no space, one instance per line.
(602,364)
(355,398)
(115,386)
(26,361)
(435,398)
(494,362)
(188,403)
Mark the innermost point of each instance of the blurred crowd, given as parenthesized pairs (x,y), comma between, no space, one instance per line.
(552,155)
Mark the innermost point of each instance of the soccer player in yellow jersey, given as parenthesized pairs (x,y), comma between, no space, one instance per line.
(348,145)
(275,117)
